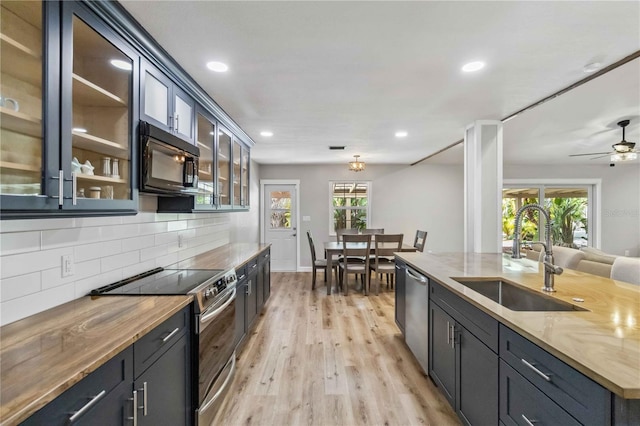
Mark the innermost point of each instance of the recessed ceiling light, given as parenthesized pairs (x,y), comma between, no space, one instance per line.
(217,66)
(266,134)
(79,130)
(401,134)
(592,67)
(120,64)
(473,66)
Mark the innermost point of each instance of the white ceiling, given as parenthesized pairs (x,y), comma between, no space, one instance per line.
(353,73)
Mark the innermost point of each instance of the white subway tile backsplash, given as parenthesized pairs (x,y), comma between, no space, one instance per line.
(153,252)
(138,268)
(11,288)
(177,225)
(22,307)
(166,238)
(86,252)
(36,225)
(120,231)
(138,243)
(152,228)
(83,222)
(53,277)
(70,237)
(21,264)
(170,258)
(19,242)
(119,261)
(84,287)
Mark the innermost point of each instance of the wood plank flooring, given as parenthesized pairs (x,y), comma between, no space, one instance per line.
(314,359)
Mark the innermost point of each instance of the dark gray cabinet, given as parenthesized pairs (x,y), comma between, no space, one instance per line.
(400,307)
(463,359)
(252,292)
(150,380)
(264,278)
(241,305)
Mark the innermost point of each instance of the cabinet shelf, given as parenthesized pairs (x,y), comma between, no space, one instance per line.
(24,64)
(204,173)
(93,143)
(98,178)
(204,146)
(222,156)
(223,178)
(19,166)
(93,95)
(20,122)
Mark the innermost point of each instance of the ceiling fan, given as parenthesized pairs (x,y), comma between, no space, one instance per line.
(622,151)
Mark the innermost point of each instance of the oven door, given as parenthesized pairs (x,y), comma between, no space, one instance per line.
(215,349)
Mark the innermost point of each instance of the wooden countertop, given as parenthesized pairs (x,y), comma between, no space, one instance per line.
(225,257)
(603,343)
(45,354)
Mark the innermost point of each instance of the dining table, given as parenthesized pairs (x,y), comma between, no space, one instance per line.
(334,248)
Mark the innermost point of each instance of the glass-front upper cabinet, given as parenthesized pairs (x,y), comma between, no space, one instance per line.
(206,132)
(165,105)
(237,194)
(98,78)
(244,177)
(225,140)
(21,99)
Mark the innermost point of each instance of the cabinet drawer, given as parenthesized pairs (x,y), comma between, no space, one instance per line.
(521,402)
(241,272)
(264,256)
(153,344)
(481,325)
(583,398)
(252,266)
(117,371)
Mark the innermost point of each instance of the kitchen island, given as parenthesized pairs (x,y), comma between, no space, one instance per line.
(601,342)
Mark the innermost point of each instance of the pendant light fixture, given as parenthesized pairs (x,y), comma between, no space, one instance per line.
(356,166)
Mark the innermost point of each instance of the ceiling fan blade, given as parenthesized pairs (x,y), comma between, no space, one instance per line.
(591,153)
(602,156)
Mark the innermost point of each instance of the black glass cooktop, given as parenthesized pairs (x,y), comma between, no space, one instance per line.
(159,282)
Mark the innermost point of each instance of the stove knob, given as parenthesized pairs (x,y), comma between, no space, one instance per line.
(210,292)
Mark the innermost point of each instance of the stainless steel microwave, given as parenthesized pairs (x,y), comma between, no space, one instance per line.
(168,164)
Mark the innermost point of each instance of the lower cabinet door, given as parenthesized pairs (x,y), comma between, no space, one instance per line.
(442,352)
(241,296)
(521,403)
(163,390)
(477,398)
(400,310)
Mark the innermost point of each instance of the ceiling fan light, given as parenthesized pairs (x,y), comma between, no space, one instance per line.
(624,156)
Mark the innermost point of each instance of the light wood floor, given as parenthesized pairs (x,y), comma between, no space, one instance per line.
(315,359)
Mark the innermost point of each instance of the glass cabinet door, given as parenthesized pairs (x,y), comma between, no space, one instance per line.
(205,140)
(183,114)
(224,167)
(21,98)
(244,177)
(237,195)
(155,99)
(101,89)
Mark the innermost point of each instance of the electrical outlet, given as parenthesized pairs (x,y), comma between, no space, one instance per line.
(180,241)
(68,267)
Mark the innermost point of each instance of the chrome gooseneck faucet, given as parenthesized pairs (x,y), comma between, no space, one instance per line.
(550,270)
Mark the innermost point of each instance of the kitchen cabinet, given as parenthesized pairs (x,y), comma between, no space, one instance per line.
(68,136)
(165,104)
(252,292)
(153,374)
(264,277)
(241,305)
(225,179)
(400,305)
(206,141)
(463,359)
(240,169)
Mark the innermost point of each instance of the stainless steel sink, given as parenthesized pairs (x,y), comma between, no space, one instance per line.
(514,297)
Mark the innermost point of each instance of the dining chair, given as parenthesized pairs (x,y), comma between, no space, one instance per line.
(359,266)
(317,263)
(385,245)
(343,231)
(419,241)
(373,231)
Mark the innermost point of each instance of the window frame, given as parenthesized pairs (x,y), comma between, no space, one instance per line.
(369,184)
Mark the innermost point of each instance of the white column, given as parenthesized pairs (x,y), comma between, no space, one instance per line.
(483,187)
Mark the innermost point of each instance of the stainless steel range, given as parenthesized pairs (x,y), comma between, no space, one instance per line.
(214,309)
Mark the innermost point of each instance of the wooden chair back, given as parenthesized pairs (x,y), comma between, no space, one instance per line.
(364,250)
(345,231)
(373,231)
(387,244)
(312,247)
(419,241)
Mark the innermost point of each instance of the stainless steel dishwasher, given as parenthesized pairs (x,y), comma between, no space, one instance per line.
(417,317)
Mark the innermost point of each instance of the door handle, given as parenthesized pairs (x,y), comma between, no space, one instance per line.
(294,235)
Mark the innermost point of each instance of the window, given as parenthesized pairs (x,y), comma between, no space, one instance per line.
(350,205)
(570,207)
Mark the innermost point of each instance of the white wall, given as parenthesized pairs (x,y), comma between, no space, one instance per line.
(106,249)
(620,216)
(404,199)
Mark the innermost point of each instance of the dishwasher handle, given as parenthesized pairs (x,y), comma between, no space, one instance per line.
(418,277)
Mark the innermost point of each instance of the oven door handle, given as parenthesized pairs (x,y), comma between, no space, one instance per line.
(207,403)
(208,316)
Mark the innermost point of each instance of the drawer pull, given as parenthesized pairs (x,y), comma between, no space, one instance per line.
(527,421)
(134,401)
(538,372)
(170,335)
(76,415)
(143,389)
(448,333)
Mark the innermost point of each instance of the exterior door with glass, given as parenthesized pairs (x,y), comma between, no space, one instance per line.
(280,225)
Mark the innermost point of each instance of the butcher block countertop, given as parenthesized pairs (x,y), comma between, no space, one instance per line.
(602,343)
(45,354)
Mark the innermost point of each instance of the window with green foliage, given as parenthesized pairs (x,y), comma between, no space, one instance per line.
(349,205)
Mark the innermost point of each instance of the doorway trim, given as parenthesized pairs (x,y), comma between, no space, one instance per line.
(296,183)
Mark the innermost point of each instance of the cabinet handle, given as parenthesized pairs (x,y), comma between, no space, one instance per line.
(135,408)
(144,398)
(538,372)
(60,179)
(177,122)
(171,123)
(527,421)
(254,266)
(448,333)
(74,186)
(249,288)
(76,415)
(169,337)
(241,277)
(453,336)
